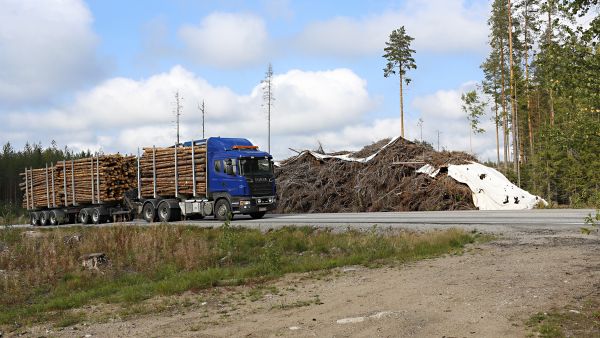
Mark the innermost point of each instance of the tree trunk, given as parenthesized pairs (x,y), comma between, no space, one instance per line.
(497,132)
(529,125)
(549,41)
(401,107)
(504,117)
(513,94)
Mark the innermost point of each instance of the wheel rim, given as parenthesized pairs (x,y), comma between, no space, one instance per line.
(164,214)
(222,212)
(96,216)
(149,213)
(52,219)
(83,216)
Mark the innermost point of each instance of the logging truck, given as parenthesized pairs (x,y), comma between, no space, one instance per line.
(217,177)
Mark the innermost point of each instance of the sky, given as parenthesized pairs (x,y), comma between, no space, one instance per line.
(102,74)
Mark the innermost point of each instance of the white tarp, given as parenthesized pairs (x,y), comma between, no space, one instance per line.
(345,157)
(429,170)
(491,190)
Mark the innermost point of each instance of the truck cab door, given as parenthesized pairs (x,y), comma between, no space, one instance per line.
(222,181)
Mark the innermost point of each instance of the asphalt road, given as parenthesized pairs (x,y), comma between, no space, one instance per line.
(553,220)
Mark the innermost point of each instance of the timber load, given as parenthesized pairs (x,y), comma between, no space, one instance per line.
(173,172)
(93,180)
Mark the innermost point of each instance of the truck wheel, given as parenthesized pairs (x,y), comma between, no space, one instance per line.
(43,218)
(223,210)
(84,216)
(257,215)
(96,217)
(164,213)
(34,218)
(53,220)
(149,213)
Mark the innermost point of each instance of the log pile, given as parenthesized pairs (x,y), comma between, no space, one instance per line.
(164,163)
(93,180)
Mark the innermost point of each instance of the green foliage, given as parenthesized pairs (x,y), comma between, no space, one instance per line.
(557,96)
(593,222)
(399,54)
(474,108)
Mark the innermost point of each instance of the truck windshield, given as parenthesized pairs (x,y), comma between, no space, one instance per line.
(255,166)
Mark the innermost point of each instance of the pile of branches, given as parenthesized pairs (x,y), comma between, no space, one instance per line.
(171,165)
(387,182)
(88,180)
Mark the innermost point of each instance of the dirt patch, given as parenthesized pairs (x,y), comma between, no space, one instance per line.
(489,291)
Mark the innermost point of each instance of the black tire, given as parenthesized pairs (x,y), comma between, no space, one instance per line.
(257,215)
(149,213)
(44,218)
(223,210)
(34,219)
(53,219)
(84,216)
(165,213)
(97,217)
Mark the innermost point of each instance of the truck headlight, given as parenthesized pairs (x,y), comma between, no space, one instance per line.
(244,203)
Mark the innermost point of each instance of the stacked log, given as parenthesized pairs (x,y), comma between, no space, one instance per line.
(93,180)
(169,166)
(38,191)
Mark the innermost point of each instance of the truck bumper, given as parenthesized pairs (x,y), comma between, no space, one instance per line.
(255,204)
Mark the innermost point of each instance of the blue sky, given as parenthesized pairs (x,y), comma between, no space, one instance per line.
(101,74)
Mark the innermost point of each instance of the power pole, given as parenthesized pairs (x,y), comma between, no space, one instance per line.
(177,111)
(420,123)
(268,100)
(201,108)
(438,139)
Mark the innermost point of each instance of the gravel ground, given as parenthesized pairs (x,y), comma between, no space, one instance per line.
(489,291)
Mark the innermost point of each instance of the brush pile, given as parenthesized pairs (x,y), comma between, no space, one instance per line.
(101,179)
(380,177)
(164,163)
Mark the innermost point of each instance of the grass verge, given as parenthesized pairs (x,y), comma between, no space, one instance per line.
(41,277)
(582,320)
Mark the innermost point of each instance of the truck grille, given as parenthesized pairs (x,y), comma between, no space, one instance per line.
(261,188)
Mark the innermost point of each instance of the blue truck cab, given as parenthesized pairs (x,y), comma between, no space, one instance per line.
(240,177)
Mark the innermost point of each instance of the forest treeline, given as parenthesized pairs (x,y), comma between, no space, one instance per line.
(543,75)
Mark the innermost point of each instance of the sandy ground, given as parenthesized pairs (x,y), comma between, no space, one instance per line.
(489,291)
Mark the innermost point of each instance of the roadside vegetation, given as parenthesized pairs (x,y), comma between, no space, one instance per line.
(572,321)
(42,278)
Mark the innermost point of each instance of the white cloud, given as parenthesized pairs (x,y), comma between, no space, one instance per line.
(226,40)
(436,25)
(441,111)
(121,114)
(46,47)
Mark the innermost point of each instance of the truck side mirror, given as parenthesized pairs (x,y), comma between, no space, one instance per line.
(229,169)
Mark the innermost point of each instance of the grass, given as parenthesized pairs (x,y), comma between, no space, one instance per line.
(41,277)
(572,321)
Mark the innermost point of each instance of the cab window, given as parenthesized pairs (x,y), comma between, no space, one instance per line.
(218,166)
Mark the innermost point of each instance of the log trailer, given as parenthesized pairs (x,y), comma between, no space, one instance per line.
(217,177)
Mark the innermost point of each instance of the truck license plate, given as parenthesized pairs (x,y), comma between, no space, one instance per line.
(262,209)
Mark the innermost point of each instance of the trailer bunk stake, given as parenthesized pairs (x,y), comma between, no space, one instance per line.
(176,176)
